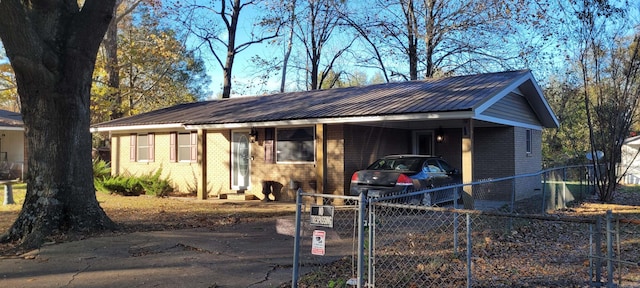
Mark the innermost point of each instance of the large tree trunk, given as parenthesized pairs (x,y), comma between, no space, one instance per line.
(52,48)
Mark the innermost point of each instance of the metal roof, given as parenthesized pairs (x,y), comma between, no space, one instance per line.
(11,120)
(452,94)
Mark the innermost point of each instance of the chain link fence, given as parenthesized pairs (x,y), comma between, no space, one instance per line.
(504,242)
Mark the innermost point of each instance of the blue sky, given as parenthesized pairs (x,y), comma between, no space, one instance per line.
(244,69)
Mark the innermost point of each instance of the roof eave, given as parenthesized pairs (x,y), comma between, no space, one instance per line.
(136,127)
(336,120)
(12,128)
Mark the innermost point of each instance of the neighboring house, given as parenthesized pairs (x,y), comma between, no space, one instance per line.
(488,125)
(12,145)
(630,161)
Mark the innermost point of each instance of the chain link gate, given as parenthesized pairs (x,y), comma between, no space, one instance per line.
(401,245)
(330,229)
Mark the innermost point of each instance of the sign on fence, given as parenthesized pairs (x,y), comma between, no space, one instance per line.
(322,216)
(317,245)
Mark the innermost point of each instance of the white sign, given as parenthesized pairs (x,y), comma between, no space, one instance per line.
(317,245)
(322,216)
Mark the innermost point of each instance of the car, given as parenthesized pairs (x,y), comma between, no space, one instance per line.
(402,174)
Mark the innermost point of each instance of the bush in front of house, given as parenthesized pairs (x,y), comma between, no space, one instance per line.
(122,185)
(154,185)
(127,185)
(101,169)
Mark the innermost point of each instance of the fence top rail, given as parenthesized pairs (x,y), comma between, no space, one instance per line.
(541,172)
(545,217)
(332,196)
(477,182)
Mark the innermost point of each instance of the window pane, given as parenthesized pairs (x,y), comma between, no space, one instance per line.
(143,153)
(295,144)
(143,140)
(184,153)
(184,139)
(143,147)
(184,147)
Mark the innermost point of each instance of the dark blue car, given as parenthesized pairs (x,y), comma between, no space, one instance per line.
(400,174)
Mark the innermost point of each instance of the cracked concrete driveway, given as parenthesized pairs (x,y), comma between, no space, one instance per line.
(243,255)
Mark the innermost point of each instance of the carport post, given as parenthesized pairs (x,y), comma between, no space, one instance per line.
(296,242)
(467,163)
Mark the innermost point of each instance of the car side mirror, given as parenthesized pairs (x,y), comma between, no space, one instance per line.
(454,172)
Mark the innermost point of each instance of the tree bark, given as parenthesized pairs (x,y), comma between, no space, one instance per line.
(287,53)
(113,69)
(52,46)
(412,38)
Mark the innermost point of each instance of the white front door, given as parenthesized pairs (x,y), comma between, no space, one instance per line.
(240,160)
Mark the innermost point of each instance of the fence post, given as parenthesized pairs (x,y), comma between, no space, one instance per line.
(361,213)
(296,242)
(609,250)
(371,275)
(469,250)
(544,189)
(455,222)
(598,240)
(513,196)
(564,188)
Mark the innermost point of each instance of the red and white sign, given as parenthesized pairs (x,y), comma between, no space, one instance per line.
(317,245)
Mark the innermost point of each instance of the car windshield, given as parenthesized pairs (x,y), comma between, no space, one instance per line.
(411,164)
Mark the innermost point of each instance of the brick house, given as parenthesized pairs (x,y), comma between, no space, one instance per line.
(487,125)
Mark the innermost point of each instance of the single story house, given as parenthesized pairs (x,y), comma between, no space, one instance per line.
(12,145)
(487,125)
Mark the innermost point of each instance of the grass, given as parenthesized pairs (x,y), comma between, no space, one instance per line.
(147,213)
(629,189)
(9,213)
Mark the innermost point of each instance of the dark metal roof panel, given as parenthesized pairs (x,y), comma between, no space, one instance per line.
(460,93)
(10,119)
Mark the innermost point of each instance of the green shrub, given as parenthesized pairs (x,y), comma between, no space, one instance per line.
(122,185)
(150,184)
(154,185)
(101,169)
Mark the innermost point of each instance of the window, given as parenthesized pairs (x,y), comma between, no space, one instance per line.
(295,144)
(528,141)
(184,147)
(434,167)
(141,147)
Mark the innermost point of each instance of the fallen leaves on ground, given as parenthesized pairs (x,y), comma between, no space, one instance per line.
(551,251)
(148,213)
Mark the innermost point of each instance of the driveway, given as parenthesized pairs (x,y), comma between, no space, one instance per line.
(257,254)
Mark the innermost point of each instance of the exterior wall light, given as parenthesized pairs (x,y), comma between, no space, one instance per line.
(439,135)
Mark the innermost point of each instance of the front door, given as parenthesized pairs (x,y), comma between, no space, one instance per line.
(423,142)
(240,160)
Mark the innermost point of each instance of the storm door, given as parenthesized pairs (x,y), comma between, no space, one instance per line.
(240,160)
